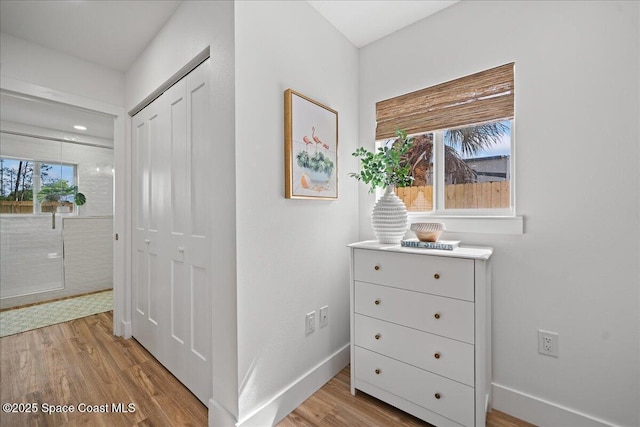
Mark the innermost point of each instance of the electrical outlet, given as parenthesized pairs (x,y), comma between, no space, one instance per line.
(324,316)
(548,343)
(310,323)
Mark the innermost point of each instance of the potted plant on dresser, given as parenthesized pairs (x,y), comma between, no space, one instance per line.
(387,168)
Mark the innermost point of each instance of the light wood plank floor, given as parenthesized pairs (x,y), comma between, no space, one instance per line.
(333,405)
(82,362)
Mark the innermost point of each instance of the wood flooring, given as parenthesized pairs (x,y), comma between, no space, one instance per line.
(81,363)
(334,405)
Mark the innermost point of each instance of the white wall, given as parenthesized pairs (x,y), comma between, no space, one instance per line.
(193,27)
(575,270)
(292,255)
(29,62)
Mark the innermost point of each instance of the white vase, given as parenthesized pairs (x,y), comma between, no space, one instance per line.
(389,218)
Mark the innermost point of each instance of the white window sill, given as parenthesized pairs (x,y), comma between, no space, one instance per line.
(474,224)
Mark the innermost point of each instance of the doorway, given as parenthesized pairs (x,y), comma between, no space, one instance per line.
(57,201)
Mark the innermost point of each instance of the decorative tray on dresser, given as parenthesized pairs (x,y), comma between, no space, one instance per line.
(421,330)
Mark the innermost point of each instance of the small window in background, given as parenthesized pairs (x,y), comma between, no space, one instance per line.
(28,187)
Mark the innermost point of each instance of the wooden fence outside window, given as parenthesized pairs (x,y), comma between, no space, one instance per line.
(26,207)
(481,195)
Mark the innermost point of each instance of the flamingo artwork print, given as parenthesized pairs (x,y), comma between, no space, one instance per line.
(311,148)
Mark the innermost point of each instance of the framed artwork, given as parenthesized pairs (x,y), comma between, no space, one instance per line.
(310,147)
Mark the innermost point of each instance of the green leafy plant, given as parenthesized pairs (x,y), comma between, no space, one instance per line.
(59,191)
(80,199)
(386,166)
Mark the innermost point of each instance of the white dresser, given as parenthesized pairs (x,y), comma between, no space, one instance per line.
(421,330)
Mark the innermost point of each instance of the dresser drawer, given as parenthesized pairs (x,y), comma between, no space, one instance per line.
(443,396)
(450,277)
(447,317)
(443,356)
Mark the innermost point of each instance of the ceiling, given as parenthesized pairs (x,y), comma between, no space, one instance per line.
(365,21)
(109,33)
(113,33)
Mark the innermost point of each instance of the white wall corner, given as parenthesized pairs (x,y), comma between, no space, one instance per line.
(539,411)
(297,392)
(219,416)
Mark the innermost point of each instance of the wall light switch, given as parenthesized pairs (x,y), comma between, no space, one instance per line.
(310,322)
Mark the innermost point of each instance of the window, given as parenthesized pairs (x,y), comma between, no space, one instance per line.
(28,187)
(462,158)
(472,166)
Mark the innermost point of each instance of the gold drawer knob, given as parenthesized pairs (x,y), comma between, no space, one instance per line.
(436,276)
(377,302)
(437,315)
(377,371)
(377,336)
(437,395)
(437,355)
(376,268)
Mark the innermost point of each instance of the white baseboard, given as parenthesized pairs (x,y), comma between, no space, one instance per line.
(219,416)
(297,392)
(541,412)
(125,330)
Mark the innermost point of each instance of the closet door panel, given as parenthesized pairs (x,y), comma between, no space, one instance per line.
(150,277)
(197,240)
(179,303)
(172,201)
(201,313)
(141,294)
(141,166)
(155,172)
(155,302)
(179,181)
(201,160)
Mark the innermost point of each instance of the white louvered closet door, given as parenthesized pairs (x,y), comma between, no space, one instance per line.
(172,292)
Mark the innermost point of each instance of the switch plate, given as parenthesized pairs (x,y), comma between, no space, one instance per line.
(324,316)
(310,323)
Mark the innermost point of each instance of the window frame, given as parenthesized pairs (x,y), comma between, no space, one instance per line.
(495,221)
(37,185)
(485,96)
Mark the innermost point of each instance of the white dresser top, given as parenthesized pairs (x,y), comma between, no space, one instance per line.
(472,252)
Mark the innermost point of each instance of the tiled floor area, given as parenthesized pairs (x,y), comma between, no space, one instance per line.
(41,315)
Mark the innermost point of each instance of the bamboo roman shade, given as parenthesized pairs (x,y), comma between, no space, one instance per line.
(477,98)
